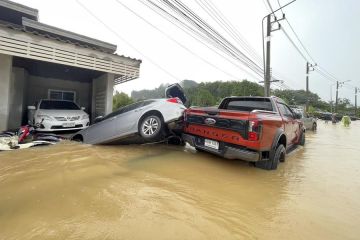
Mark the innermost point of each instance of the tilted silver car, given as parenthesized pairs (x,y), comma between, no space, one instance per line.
(148,120)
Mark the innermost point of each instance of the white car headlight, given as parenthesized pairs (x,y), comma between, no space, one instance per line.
(45,117)
(85,116)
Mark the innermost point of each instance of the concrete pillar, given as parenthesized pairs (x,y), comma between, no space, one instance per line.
(102,94)
(5,87)
(17,97)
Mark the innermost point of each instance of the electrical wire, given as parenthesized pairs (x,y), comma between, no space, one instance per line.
(173,39)
(189,30)
(206,29)
(124,40)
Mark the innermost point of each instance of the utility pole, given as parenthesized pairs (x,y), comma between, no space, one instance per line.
(267,69)
(309,67)
(266,65)
(356,89)
(336,97)
(339,84)
(269,29)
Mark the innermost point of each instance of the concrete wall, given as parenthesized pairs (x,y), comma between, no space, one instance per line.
(102,94)
(5,83)
(38,88)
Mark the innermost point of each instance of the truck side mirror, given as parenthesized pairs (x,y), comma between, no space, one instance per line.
(31,107)
(82,108)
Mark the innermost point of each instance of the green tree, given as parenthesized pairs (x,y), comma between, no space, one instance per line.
(121,99)
(203,98)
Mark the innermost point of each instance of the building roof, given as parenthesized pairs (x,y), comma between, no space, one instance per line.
(14,11)
(33,25)
(23,18)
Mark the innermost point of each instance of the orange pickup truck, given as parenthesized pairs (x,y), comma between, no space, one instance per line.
(255,129)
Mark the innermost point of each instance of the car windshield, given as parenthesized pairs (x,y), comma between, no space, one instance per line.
(58,105)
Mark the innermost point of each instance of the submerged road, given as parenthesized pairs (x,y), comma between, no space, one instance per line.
(73,191)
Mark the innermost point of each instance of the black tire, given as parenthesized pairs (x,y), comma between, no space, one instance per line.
(77,138)
(199,149)
(314,126)
(151,127)
(273,162)
(302,139)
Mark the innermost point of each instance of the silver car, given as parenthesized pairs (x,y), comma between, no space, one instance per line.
(147,121)
(310,123)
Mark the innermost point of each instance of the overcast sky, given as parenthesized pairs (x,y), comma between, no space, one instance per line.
(328,28)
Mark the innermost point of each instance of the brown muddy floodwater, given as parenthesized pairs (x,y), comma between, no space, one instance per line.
(73,191)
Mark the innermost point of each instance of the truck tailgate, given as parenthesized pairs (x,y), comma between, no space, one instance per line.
(223,125)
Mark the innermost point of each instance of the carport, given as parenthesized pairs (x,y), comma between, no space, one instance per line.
(38,61)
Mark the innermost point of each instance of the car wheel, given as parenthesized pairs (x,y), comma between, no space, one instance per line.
(302,139)
(273,162)
(151,128)
(314,126)
(199,149)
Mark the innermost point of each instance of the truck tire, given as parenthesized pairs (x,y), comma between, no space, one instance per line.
(302,139)
(273,162)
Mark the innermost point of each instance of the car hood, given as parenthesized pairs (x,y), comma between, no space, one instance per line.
(61,113)
(175,90)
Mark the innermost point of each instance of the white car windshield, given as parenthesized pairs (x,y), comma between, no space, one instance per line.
(58,105)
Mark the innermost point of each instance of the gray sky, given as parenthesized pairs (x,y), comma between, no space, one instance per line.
(328,28)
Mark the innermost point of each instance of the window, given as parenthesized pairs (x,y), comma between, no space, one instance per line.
(59,105)
(61,95)
(128,108)
(247,104)
(285,110)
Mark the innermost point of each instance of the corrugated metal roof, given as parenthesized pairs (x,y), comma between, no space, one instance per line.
(58,38)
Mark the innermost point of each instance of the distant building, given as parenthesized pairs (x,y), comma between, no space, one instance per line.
(38,61)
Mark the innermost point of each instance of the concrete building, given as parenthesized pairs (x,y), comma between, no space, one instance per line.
(38,61)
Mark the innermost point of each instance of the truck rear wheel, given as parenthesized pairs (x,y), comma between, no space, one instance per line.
(274,160)
(302,139)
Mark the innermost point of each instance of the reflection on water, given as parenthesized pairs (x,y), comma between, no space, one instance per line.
(72,191)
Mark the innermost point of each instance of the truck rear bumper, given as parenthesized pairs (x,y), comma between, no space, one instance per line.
(225,150)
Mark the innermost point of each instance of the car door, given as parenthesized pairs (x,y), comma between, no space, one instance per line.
(289,122)
(126,123)
(102,130)
(307,121)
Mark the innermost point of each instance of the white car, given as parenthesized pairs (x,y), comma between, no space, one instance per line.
(59,115)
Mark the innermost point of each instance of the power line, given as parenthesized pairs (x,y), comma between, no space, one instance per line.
(292,42)
(297,36)
(173,39)
(195,20)
(124,40)
(206,35)
(236,35)
(190,31)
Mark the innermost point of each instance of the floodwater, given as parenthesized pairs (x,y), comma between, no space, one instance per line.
(73,191)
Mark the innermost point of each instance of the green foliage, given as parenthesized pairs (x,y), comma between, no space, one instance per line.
(211,93)
(121,99)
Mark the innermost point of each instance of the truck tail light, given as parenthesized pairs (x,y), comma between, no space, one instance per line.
(175,100)
(254,130)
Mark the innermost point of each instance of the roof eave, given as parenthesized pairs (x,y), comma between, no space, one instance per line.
(29,23)
(31,13)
